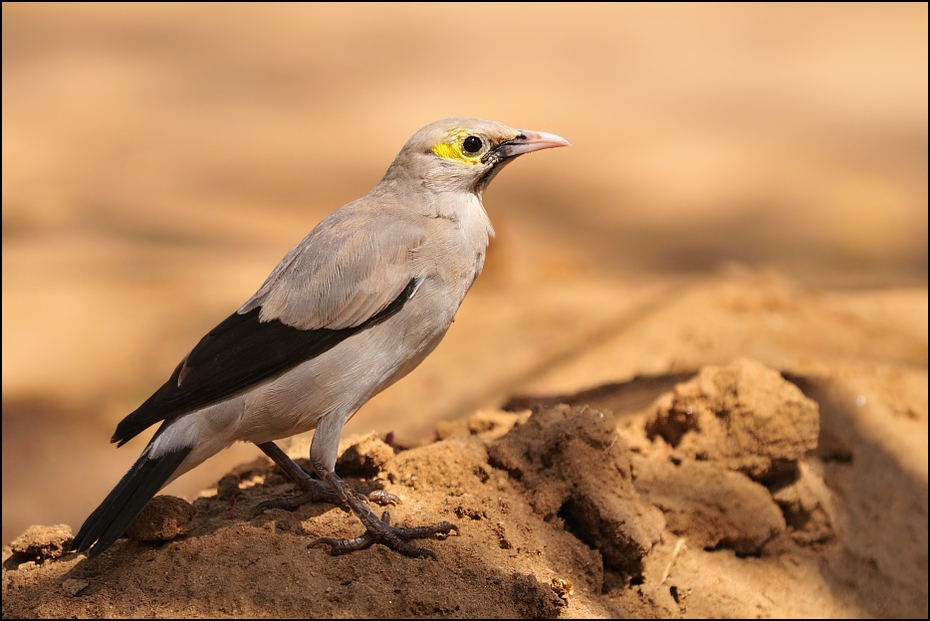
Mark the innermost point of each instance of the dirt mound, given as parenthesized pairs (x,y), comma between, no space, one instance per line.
(714,500)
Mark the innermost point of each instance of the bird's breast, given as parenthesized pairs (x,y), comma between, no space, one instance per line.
(459,244)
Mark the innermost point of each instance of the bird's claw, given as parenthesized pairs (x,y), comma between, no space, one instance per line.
(395,537)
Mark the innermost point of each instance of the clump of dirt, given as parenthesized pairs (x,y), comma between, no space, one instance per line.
(728,430)
(575,471)
(39,544)
(164,518)
(744,415)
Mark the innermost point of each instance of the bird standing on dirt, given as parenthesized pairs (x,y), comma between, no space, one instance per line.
(352,308)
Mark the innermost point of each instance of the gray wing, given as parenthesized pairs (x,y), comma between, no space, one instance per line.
(346,270)
(348,274)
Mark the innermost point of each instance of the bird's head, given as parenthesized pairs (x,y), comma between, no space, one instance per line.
(463,155)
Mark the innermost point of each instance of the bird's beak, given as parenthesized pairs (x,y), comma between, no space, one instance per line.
(527,142)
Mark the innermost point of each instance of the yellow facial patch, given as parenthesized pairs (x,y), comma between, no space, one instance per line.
(450,148)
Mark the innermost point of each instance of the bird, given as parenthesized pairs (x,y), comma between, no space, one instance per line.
(356,305)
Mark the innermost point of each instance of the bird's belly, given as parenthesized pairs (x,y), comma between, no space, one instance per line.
(339,381)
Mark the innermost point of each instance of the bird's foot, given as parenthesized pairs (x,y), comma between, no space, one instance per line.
(395,537)
(314,491)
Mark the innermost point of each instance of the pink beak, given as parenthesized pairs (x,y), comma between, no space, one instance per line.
(529,141)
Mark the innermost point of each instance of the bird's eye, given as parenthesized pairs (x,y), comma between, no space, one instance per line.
(472,144)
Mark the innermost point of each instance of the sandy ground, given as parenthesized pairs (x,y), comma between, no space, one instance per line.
(692,380)
(736,492)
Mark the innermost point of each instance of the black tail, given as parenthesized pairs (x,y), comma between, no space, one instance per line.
(108,521)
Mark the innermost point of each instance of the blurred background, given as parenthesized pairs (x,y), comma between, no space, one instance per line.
(159,160)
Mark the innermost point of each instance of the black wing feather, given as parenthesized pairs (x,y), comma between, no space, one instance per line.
(237,354)
(105,525)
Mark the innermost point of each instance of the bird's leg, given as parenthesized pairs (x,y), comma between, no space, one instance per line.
(311,489)
(378,530)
